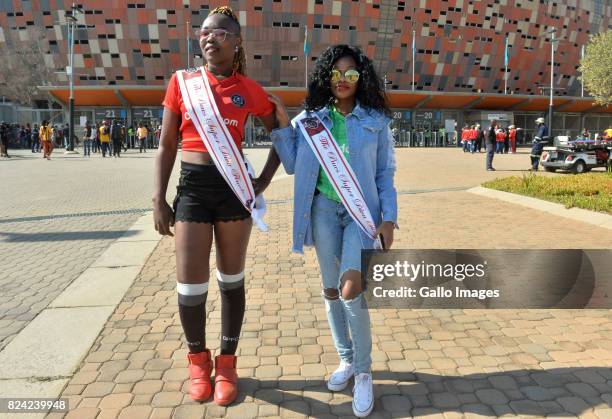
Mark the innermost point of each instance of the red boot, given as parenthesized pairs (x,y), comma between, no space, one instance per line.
(226,379)
(200,368)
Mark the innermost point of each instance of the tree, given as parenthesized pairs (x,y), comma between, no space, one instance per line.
(22,67)
(596,68)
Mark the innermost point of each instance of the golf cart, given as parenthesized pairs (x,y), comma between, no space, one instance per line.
(578,156)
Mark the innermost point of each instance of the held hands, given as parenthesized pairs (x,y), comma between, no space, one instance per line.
(386,230)
(163,217)
(281,112)
(260,184)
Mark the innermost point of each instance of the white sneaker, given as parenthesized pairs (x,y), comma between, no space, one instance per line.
(363,395)
(340,378)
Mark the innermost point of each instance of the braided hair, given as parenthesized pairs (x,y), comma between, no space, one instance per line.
(239,56)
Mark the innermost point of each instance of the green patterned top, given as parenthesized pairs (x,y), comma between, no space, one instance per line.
(339,132)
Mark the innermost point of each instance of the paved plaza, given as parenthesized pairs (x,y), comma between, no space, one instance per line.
(57,217)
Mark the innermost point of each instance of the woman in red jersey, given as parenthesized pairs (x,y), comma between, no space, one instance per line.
(206,206)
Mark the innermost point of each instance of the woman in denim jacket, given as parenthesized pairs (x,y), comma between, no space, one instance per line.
(346,94)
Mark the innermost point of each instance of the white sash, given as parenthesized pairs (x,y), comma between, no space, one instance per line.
(205,116)
(339,172)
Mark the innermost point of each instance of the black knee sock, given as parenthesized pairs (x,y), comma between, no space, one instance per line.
(232,313)
(193,319)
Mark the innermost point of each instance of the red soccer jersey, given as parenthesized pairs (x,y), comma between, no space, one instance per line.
(236,96)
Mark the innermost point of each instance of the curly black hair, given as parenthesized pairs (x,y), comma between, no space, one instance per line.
(370,93)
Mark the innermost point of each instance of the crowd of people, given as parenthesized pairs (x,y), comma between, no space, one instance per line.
(104,138)
(473,138)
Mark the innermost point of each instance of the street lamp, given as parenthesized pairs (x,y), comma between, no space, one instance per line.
(552,31)
(72,22)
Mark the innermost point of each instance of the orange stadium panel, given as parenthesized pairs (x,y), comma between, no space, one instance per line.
(88,97)
(144,97)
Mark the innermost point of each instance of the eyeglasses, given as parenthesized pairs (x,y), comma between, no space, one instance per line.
(219,34)
(350,76)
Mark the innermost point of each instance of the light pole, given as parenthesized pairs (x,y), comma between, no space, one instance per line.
(552,79)
(413,55)
(72,22)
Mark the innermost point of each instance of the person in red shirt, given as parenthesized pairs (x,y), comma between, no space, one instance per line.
(464,138)
(472,137)
(206,207)
(500,137)
(512,137)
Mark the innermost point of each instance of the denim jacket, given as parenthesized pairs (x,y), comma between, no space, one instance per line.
(371,156)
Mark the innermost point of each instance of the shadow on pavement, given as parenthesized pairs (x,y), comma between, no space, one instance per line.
(64,236)
(518,392)
(73,215)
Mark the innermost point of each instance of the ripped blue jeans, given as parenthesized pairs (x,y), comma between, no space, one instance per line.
(338,244)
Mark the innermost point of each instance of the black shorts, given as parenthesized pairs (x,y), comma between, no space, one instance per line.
(203,196)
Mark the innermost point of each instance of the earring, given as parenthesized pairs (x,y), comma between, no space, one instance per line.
(236,49)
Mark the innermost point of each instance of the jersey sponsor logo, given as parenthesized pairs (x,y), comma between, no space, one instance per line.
(238,101)
(227,121)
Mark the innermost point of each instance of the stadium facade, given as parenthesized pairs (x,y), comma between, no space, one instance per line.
(125,52)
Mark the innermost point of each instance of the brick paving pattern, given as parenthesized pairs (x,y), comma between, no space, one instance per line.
(433,363)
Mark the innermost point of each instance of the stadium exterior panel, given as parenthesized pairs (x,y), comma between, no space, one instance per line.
(473,59)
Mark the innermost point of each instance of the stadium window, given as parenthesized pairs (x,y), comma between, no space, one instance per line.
(376,6)
(159,77)
(318,1)
(119,78)
(46,13)
(284,83)
(276,24)
(257,57)
(258,8)
(140,77)
(114,55)
(352,28)
(317,26)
